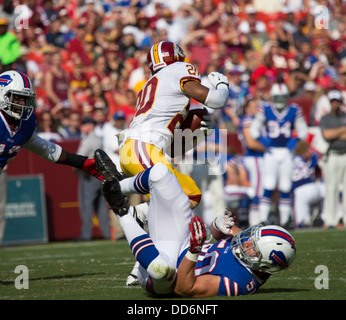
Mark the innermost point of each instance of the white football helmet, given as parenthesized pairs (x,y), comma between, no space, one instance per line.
(16,84)
(273,248)
(279,94)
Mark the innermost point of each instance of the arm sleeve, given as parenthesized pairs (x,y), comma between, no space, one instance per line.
(301,128)
(45,149)
(256,126)
(217,98)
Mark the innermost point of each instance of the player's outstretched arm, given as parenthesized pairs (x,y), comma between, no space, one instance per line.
(54,153)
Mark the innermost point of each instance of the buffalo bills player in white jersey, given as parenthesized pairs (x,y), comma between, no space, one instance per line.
(279,120)
(173,257)
(18,125)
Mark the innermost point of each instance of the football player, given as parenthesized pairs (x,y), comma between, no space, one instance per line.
(18,126)
(175,258)
(162,105)
(279,120)
(253,157)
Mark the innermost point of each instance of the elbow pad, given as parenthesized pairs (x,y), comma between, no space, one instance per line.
(217,98)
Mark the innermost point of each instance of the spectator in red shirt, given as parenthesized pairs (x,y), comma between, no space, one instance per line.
(266,68)
(76,47)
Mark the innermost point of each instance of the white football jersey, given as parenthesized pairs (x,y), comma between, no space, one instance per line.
(162,105)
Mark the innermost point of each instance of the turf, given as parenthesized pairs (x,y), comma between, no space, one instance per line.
(97,270)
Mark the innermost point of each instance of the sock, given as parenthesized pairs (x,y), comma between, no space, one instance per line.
(265,205)
(284,207)
(136,184)
(140,243)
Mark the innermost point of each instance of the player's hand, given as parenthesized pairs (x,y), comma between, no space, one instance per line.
(198,235)
(207,125)
(218,79)
(224,222)
(90,168)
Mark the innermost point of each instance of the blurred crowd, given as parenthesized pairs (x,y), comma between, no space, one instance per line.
(87,58)
(84,55)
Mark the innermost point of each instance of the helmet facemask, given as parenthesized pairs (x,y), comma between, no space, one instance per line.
(280,101)
(17,110)
(244,246)
(266,249)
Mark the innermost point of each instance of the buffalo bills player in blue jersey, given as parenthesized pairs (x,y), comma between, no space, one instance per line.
(173,256)
(279,120)
(252,158)
(18,126)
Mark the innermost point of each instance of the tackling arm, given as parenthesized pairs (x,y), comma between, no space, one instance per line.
(55,153)
(45,149)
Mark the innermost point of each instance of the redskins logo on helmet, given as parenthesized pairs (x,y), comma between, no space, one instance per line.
(163,54)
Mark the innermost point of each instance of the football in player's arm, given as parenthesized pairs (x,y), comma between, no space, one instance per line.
(18,126)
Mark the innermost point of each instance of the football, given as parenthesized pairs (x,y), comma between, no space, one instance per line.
(194,118)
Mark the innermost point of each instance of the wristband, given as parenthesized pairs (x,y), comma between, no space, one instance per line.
(75,160)
(191,256)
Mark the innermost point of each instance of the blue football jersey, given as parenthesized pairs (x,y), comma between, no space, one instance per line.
(236,279)
(280,125)
(11,141)
(303,170)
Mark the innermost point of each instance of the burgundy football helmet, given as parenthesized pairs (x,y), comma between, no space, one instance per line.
(163,54)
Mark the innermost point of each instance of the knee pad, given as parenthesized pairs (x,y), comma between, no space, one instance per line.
(161,277)
(158,171)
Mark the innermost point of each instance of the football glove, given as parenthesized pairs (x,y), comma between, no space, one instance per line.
(90,168)
(217,79)
(198,235)
(224,222)
(207,125)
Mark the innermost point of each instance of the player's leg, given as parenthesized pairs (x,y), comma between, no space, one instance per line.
(254,167)
(137,156)
(305,196)
(285,186)
(87,194)
(167,200)
(269,178)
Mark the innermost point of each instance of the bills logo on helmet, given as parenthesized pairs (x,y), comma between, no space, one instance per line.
(5,80)
(278,259)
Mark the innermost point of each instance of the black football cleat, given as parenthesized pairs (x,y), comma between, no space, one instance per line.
(106,166)
(112,193)
(110,186)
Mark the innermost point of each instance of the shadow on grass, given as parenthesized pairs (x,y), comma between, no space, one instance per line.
(64,276)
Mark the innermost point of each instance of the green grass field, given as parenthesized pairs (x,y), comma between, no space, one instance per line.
(97,270)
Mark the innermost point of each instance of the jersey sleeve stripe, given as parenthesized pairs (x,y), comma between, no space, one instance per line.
(227,286)
(185,79)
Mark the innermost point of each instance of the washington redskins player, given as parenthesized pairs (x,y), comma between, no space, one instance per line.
(162,106)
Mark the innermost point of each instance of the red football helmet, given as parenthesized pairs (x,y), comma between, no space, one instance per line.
(163,54)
